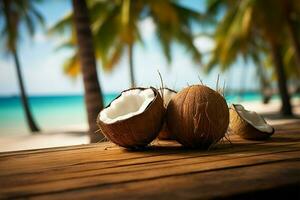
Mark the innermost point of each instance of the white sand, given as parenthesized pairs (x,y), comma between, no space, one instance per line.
(42,140)
(66,138)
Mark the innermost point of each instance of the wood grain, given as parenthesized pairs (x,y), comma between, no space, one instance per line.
(164,170)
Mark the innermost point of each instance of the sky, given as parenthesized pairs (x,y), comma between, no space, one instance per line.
(42,64)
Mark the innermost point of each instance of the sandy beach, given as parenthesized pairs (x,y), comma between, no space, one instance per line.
(76,135)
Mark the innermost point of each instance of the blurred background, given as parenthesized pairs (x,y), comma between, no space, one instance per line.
(62,61)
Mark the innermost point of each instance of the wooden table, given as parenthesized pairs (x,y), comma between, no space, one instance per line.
(244,170)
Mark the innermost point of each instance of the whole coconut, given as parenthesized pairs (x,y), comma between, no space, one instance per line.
(198,116)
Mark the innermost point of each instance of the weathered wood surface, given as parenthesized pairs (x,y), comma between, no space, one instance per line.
(245,169)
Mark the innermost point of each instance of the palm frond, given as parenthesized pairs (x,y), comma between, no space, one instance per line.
(62,25)
(72,66)
(29,24)
(115,57)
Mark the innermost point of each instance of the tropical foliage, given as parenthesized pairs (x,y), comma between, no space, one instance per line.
(257,30)
(116,30)
(14,13)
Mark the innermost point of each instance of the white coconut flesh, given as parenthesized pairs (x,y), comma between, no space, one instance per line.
(167,95)
(130,103)
(254,119)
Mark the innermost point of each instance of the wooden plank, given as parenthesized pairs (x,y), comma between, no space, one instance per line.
(46,150)
(95,157)
(147,172)
(89,170)
(294,125)
(272,180)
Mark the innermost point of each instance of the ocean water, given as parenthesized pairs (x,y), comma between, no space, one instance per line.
(51,113)
(54,113)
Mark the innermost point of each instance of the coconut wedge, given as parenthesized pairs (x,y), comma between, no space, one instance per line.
(134,118)
(198,117)
(248,124)
(167,94)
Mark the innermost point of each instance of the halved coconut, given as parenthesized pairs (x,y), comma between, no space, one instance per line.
(134,118)
(167,95)
(198,117)
(248,124)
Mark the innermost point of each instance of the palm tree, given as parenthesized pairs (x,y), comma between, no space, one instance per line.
(15,13)
(269,25)
(174,24)
(115,28)
(86,54)
(248,27)
(120,29)
(231,45)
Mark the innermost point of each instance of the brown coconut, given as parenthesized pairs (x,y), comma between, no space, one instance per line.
(164,133)
(198,117)
(248,128)
(138,130)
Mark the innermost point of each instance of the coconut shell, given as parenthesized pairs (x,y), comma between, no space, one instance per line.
(139,130)
(198,117)
(164,133)
(245,130)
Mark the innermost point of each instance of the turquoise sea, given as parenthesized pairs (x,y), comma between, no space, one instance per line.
(60,112)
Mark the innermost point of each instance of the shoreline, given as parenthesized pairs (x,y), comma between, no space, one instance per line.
(75,134)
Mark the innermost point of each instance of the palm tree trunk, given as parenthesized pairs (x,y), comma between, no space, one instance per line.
(92,90)
(286,108)
(292,32)
(295,44)
(29,118)
(131,67)
(264,86)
